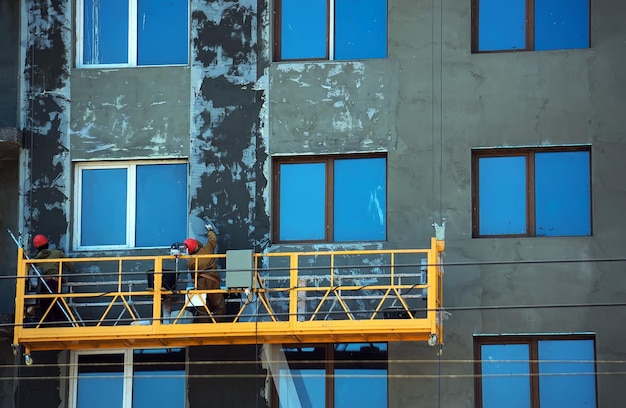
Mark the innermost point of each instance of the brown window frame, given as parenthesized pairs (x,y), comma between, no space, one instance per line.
(277,50)
(533,342)
(330,188)
(328,362)
(530,29)
(529,154)
(277,34)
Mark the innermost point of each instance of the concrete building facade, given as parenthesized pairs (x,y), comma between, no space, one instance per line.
(431,107)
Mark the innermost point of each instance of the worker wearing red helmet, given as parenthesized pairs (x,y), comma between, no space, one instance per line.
(207,276)
(50,274)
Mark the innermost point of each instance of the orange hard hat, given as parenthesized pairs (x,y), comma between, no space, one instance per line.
(39,240)
(191,245)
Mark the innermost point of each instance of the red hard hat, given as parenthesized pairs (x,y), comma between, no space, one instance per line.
(191,245)
(39,240)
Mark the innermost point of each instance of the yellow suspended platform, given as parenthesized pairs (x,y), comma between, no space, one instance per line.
(295,297)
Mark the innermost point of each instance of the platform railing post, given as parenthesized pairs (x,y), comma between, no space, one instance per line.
(158,279)
(20,290)
(433,286)
(293,293)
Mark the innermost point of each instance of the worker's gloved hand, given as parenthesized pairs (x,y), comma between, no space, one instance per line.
(210,226)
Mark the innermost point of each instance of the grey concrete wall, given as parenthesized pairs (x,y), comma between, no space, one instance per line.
(9,61)
(229,144)
(130,112)
(446,102)
(208,112)
(10,139)
(8,372)
(9,181)
(333,107)
(427,105)
(46,109)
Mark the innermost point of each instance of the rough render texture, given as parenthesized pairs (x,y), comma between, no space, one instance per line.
(209,112)
(428,105)
(333,107)
(113,116)
(47,106)
(9,44)
(228,147)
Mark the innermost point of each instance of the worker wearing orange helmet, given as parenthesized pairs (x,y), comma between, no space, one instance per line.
(50,274)
(207,276)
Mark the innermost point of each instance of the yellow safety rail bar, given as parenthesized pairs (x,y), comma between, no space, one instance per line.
(299,297)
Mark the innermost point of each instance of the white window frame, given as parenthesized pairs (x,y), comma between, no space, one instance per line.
(131,202)
(129,361)
(132,37)
(128,374)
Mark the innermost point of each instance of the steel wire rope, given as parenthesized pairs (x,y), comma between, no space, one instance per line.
(445,309)
(361,266)
(321,375)
(440,173)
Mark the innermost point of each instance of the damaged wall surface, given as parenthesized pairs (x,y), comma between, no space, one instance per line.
(427,105)
(10,146)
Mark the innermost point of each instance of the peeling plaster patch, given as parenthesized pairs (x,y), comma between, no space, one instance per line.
(342,122)
(158,139)
(102,148)
(117,104)
(293,67)
(232,56)
(46,106)
(227,147)
(89,114)
(298,80)
(335,70)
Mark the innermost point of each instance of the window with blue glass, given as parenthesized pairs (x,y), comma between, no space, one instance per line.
(535,371)
(128,379)
(327,376)
(524,25)
(330,29)
(130,205)
(531,192)
(132,32)
(330,198)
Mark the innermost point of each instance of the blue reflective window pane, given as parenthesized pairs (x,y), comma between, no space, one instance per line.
(153,389)
(562,194)
(302,201)
(105,32)
(502,195)
(360,29)
(506,375)
(501,25)
(103,207)
(100,390)
(349,380)
(561,24)
(161,216)
(567,373)
(360,202)
(162,32)
(302,388)
(304,29)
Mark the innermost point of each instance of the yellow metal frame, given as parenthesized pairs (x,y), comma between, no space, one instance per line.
(296,326)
